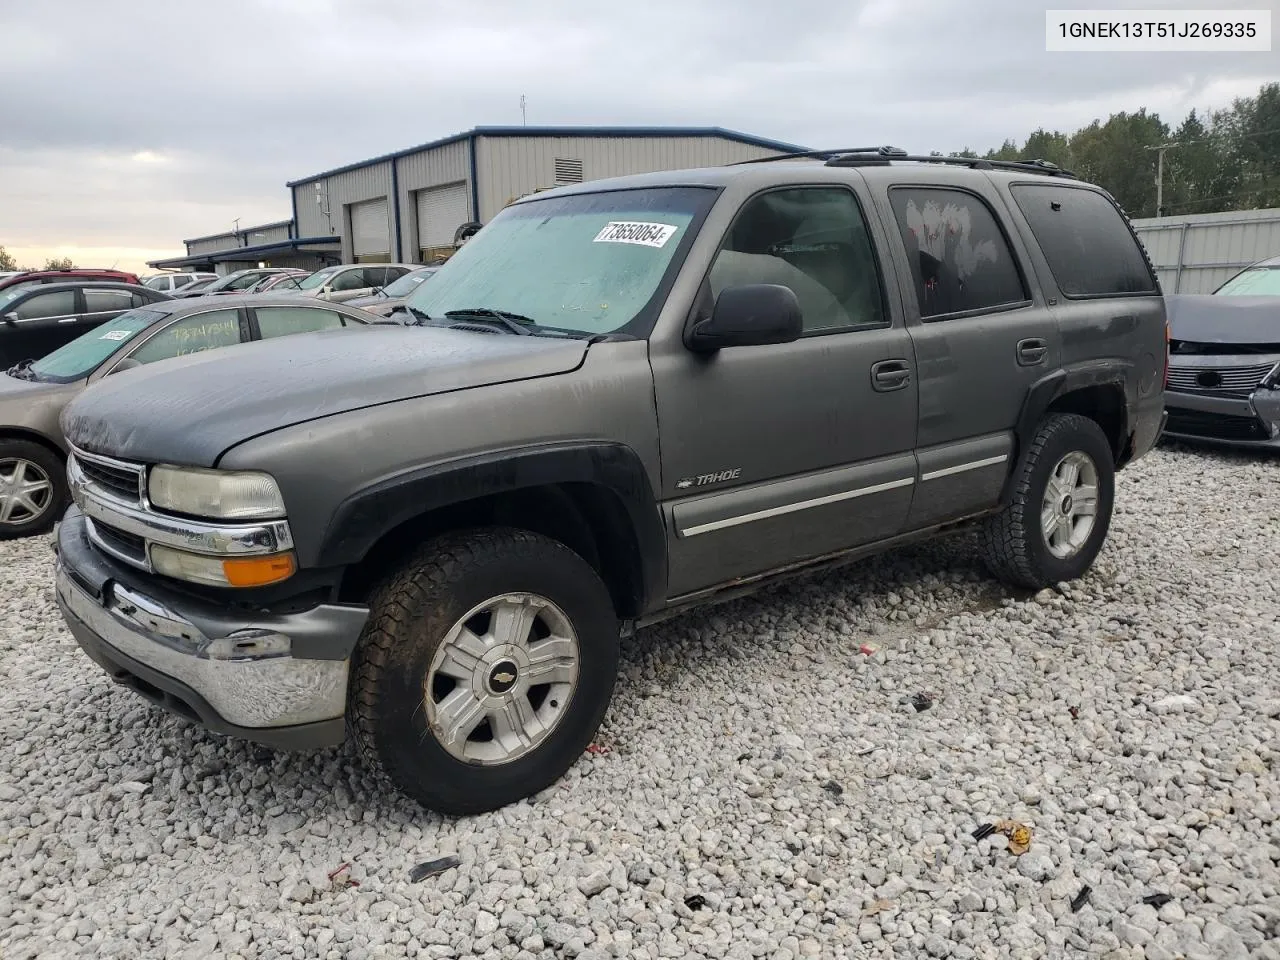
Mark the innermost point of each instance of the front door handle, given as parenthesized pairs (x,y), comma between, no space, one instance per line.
(1031,352)
(890,375)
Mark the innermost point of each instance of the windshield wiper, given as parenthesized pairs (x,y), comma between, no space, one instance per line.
(422,316)
(512,321)
(22,371)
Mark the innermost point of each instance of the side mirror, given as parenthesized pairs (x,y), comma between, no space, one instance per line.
(11,317)
(754,314)
(128,363)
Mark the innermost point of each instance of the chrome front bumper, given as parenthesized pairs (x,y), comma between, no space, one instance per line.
(1252,420)
(243,677)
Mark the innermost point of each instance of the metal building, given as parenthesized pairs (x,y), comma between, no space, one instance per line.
(408,206)
(1197,253)
(272,244)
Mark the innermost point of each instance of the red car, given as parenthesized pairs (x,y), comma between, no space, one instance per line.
(62,276)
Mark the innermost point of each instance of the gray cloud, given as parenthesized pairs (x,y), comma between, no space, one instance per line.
(237,98)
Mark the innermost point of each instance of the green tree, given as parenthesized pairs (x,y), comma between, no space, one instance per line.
(1197,171)
(6,260)
(1253,135)
(1115,156)
(1008,151)
(59,263)
(1043,145)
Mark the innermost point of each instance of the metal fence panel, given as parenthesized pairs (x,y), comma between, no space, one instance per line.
(1200,252)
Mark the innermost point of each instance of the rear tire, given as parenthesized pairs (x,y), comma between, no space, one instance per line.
(485,669)
(1057,522)
(33,489)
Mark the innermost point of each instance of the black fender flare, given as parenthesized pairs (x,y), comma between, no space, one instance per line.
(371,512)
(1111,372)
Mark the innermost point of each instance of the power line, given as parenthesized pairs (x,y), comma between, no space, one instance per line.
(1215,138)
(1225,196)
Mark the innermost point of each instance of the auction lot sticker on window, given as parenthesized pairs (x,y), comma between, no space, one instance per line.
(634,231)
(1158,30)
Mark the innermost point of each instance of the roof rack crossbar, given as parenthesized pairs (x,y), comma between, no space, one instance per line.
(823,154)
(856,157)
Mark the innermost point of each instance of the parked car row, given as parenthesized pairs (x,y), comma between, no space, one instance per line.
(33,486)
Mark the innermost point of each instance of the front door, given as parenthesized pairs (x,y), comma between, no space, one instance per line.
(772,455)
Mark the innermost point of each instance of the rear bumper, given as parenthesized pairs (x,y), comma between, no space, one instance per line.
(242,677)
(1238,421)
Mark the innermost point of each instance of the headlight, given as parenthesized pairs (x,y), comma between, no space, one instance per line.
(222,571)
(215,493)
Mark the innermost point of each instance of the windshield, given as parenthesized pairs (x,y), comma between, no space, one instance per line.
(9,294)
(588,263)
(408,283)
(156,283)
(235,281)
(86,353)
(317,279)
(1255,282)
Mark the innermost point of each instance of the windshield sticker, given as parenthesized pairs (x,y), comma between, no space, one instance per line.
(116,335)
(628,231)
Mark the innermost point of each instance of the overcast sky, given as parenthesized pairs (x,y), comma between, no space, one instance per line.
(126,127)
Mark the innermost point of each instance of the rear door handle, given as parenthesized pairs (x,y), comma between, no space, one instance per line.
(890,375)
(1032,351)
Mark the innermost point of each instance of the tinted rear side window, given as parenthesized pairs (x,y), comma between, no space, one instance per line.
(1085,240)
(960,259)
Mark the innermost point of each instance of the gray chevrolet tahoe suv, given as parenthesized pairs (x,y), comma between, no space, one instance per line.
(619,400)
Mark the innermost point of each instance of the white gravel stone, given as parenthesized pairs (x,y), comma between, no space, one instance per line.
(1129,718)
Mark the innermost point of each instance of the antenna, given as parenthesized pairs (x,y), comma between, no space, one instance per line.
(524,117)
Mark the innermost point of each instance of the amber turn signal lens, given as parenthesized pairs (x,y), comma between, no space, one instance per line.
(259,571)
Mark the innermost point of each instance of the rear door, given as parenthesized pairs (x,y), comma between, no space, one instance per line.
(103,304)
(982,335)
(778,454)
(267,323)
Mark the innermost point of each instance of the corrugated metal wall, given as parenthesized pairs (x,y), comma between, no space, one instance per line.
(510,167)
(248,237)
(1198,253)
(253,236)
(430,168)
(338,192)
(223,241)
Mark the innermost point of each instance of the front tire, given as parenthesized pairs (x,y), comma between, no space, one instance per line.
(1057,522)
(33,489)
(485,669)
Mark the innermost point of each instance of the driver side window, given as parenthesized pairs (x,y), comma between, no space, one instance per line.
(204,331)
(351,280)
(813,240)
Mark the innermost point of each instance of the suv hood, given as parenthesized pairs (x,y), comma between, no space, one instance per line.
(191,409)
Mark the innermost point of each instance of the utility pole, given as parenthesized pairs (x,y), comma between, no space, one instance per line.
(524,118)
(1160,175)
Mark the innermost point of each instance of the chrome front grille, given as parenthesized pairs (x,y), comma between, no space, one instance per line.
(1205,379)
(121,544)
(123,524)
(114,477)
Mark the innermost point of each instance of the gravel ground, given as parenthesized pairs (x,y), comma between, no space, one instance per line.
(761,788)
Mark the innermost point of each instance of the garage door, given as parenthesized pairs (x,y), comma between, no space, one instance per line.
(370,238)
(441,211)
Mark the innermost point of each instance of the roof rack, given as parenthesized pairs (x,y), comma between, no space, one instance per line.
(881,156)
(824,154)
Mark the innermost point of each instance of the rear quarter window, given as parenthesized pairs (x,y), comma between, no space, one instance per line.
(1086,241)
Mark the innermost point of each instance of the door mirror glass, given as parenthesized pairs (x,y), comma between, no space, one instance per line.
(752,314)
